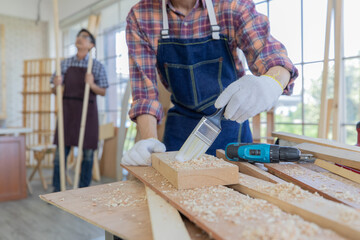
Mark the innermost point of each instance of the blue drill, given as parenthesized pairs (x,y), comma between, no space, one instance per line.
(264,153)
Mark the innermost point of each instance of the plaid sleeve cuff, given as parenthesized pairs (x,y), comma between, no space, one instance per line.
(146,106)
(285,63)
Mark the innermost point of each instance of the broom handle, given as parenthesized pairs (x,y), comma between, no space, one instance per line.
(61,143)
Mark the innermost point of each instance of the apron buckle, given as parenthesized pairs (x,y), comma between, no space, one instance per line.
(164,33)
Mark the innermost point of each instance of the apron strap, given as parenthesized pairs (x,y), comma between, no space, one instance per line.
(165,31)
(215,28)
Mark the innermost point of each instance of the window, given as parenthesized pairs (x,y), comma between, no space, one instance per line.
(300,112)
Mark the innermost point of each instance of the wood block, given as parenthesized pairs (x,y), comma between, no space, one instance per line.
(106,131)
(340,156)
(338,170)
(317,182)
(311,207)
(318,141)
(229,215)
(108,158)
(251,169)
(205,171)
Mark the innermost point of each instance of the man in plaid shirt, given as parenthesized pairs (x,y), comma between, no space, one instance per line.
(192,44)
(73,78)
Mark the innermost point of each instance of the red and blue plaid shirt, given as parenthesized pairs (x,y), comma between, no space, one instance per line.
(239,21)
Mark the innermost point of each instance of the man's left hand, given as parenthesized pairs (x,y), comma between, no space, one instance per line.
(249,96)
(89,78)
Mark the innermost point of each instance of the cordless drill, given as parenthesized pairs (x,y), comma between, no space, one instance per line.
(264,153)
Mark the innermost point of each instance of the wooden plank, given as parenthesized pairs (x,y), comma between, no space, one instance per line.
(343,157)
(323,142)
(119,208)
(166,222)
(100,205)
(316,182)
(106,131)
(311,207)
(338,170)
(205,171)
(226,214)
(251,169)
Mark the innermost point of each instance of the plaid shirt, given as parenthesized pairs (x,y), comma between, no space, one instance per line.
(239,21)
(98,69)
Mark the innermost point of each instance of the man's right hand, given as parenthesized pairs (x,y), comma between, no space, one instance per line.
(140,153)
(58,80)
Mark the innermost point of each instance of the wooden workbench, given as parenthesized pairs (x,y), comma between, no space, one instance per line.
(119,208)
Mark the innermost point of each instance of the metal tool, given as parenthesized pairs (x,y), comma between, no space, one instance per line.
(201,138)
(264,153)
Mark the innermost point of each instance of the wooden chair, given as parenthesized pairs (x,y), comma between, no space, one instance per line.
(39,155)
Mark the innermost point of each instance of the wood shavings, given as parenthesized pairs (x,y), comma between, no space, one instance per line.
(263,220)
(113,198)
(203,162)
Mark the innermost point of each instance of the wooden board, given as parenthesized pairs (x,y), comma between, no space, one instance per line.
(338,170)
(128,221)
(343,157)
(227,214)
(251,169)
(166,222)
(311,207)
(318,141)
(316,182)
(206,171)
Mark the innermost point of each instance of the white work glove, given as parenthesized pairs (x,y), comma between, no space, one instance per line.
(140,153)
(249,96)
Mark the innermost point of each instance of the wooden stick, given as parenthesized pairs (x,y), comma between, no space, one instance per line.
(166,222)
(338,170)
(92,23)
(339,71)
(330,103)
(324,104)
(59,101)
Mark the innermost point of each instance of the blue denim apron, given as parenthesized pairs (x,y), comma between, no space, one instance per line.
(196,71)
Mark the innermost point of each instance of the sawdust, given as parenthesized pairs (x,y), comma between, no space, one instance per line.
(203,162)
(263,220)
(330,185)
(113,198)
(291,192)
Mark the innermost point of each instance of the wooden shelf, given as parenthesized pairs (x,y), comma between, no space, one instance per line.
(38,112)
(36,93)
(37,75)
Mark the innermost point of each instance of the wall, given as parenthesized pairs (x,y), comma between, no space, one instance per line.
(23,40)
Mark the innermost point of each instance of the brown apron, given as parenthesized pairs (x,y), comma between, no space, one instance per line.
(74,81)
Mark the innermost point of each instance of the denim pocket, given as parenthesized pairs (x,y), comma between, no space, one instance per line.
(195,86)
